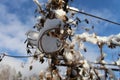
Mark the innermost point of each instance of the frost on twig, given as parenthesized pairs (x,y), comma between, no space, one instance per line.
(111,41)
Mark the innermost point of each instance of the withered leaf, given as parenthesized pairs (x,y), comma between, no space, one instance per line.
(35,56)
(87,29)
(28,51)
(86,20)
(30,68)
(85,50)
(41,60)
(78,19)
(76,22)
(35,11)
(92,27)
(0,59)
(62,51)
(70,38)
(25,41)
(34,26)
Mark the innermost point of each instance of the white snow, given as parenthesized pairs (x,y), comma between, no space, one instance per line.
(115,39)
(59,13)
(73,9)
(37,2)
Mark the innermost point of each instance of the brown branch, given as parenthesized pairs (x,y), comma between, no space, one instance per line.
(113,69)
(104,64)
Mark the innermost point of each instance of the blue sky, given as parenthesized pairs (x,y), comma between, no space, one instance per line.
(17,17)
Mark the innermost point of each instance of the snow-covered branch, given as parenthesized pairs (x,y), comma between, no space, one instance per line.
(112,41)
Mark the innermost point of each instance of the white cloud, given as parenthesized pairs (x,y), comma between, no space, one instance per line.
(14,3)
(12,37)
(12,31)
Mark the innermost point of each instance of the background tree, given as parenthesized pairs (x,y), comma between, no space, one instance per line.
(9,73)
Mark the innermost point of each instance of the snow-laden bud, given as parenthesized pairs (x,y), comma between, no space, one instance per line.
(69,31)
(81,61)
(60,14)
(55,75)
(69,56)
(81,71)
(61,31)
(42,55)
(118,62)
(48,75)
(73,22)
(41,75)
(92,74)
(103,62)
(86,65)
